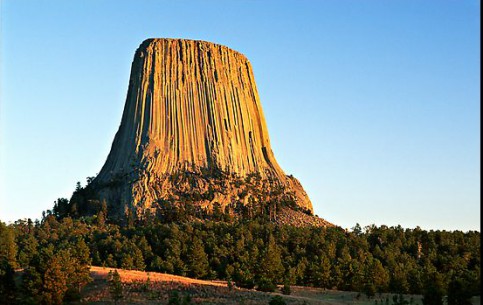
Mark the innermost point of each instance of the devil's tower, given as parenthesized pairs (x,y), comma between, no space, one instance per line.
(193,131)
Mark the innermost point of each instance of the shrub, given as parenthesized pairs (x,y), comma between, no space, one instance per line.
(277,300)
(266,285)
(286,289)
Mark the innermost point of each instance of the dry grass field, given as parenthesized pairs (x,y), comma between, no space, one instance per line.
(155,288)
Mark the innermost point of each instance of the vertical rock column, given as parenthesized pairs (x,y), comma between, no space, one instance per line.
(192,107)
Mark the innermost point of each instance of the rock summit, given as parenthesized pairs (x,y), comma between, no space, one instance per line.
(193,130)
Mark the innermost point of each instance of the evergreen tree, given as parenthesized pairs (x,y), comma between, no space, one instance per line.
(266,285)
(376,259)
(27,246)
(8,247)
(458,292)
(378,276)
(115,286)
(33,277)
(138,259)
(110,261)
(198,259)
(7,283)
(55,274)
(433,290)
(101,219)
(61,208)
(127,262)
(80,261)
(8,261)
(323,273)
(271,267)
(55,283)
(244,278)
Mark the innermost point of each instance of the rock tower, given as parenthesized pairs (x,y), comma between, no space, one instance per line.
(193,131)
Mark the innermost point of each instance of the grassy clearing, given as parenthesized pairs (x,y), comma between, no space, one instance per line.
(155,288)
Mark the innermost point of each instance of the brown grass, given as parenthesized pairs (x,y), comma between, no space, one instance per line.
(138,290)
(129,276)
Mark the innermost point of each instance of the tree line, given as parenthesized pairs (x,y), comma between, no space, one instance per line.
(56,251)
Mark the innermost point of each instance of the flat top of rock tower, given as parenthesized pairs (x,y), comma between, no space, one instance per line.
(152,41)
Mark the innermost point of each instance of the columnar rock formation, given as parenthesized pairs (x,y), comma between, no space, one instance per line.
(192,129)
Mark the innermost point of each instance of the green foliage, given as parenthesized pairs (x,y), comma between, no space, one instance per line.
(115,286)
(271,267)
(61,207)
(229,284)
(376,278)
(8,247)
(266,285)
(26,241)
(8,261)
(198,259)
(459,291)
(54,281)
(286,289)
(7,282)
(61,268)
(433,290)
(51,274)
(251,253)
(244,279)
(277,300)
(176,299)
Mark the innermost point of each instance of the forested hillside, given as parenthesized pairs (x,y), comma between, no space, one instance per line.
(55,253)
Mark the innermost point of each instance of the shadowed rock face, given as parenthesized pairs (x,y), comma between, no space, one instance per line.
(192,129)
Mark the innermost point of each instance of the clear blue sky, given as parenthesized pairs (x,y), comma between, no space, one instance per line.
(373,105)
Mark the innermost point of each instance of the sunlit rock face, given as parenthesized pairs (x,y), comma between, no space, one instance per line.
(193,131)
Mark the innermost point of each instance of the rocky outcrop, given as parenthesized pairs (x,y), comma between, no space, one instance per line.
(295,218)
(192,129)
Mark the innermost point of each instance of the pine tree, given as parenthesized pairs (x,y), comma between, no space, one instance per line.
(378,276)
(8,261)
(271,267)
(198,259)
(81,262)
(110,261)
(127,262)
(138,259)
(27,245)
(54,282)
(115,286)
(433,290)
(101,219)
(55,274)
(7,283)
(8,247)
(322,275)
(458,292)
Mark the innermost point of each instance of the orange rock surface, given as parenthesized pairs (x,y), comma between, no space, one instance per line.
(192,123)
